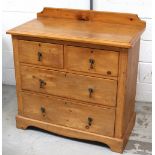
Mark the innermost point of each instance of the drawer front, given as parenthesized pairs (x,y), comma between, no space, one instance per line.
(44,54)
(71,114)
(90,89)
(91,60)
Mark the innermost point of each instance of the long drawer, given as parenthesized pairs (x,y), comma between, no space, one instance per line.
(44,54)
(91,60)
(71,114)
(85,88)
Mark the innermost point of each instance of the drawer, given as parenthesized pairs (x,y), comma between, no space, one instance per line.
(85,88)
(71,114)
(91,60)
(38,53)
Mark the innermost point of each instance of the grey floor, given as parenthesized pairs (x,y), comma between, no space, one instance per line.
(36,142)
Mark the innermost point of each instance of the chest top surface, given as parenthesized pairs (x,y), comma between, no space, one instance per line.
(85,26)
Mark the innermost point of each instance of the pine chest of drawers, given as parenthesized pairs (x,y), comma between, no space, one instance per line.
(76,74)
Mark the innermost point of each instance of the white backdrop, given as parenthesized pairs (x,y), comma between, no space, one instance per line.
(16,12)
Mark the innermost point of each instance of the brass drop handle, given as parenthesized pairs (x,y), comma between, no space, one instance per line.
(90,90)
(43,111)
(91,62)
(39,56)
(90,121)
(42,83)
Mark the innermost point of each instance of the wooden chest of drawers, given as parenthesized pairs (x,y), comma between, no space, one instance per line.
(76,73)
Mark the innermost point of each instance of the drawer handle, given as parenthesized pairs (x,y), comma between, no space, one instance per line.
(90,92)
(42,83)
(43,111)
(40,56)
(90,121)
(91,62)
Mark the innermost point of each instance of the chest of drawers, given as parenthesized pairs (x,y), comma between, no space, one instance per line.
(76,74)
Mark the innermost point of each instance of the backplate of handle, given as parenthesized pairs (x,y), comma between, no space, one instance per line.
(43,110)
(91,63)
(90,91)
(40,56)
(42,83)
(89,122)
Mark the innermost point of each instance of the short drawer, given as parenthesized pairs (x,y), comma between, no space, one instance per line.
(38,53)
(91,60)
(85,88)
(71,114)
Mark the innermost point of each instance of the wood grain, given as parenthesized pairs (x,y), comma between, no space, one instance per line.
(129,129)
(78,59)
(126,89)
(72,114)
(115,144)
(70,85)
(91,15)
(50,54)
(94,32)
(71,43)
(129,108)
(17,74)
(73,72)
(121,94)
